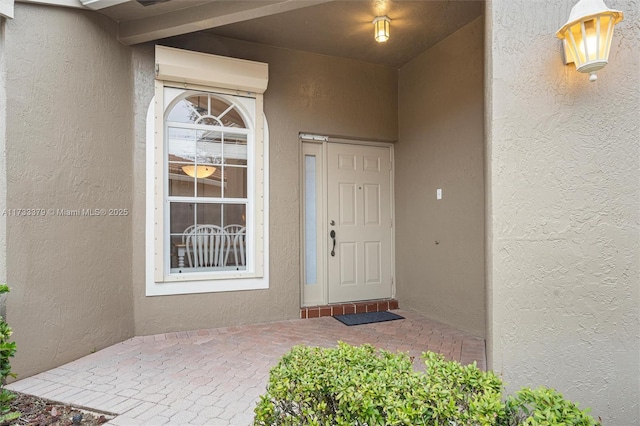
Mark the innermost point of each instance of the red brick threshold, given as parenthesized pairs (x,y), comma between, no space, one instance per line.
(348,308)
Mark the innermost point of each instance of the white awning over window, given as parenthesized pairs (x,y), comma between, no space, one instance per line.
(185,66)
(6,9)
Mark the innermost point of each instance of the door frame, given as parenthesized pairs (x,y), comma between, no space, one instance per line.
(319,296)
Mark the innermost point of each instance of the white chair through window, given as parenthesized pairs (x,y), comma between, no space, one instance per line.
(236,240)
(205,246)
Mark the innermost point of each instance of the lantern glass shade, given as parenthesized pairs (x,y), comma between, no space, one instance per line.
(588,34)
(381,26)
(199,172)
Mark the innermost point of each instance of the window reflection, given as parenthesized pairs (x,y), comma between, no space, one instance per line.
(207,163)
(207,237)
(206,109)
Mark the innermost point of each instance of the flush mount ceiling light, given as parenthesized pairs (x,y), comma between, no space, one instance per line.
(381,28)
(199,172)
(587,35)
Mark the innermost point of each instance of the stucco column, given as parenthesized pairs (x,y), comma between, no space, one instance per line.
(69,142)
(563,197)
(3,165)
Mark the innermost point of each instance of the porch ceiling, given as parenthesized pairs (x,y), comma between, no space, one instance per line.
(329,27)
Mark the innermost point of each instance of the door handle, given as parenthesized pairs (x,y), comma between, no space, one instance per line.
(332,234)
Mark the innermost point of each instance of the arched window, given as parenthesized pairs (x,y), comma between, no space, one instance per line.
(207,171)
(207,142)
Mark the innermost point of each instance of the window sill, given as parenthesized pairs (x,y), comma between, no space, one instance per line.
(190,286)
(206,274)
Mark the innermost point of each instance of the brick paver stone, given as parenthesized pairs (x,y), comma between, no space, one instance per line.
(215,376)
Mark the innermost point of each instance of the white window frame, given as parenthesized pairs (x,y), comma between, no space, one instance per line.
(247,109)
(234,80)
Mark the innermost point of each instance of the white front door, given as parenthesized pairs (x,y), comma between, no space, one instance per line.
(359,208)
(347,229)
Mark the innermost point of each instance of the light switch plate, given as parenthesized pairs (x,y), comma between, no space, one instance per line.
(439,194)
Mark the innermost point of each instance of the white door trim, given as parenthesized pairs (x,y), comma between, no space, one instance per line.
(313,293)
(320,143)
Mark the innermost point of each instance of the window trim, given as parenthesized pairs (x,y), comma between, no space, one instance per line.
(254,260)
(159,280)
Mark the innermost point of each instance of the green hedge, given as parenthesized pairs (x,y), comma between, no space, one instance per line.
(356,386)
(7,350)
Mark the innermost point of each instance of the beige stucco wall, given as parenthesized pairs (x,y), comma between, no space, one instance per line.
(3,163)
(306,93)
(563,163)
(69,146)
(441,139)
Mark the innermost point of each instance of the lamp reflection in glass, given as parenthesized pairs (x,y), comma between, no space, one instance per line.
(587,35)
(381,26)
(199,172)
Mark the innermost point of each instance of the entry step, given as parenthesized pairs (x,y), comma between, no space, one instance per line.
(348,308)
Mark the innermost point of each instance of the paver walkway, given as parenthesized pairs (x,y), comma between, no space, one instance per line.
(214,377)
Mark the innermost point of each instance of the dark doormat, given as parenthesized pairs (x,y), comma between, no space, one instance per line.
(368,318)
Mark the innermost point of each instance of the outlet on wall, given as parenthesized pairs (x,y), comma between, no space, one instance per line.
(439,194)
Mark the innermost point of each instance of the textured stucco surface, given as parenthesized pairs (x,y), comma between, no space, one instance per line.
(69,146)
(440,145)
(564,203)
(3,164)
(306,93)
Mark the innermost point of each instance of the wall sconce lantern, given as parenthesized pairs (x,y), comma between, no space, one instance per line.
(587,36)
(381,27)
(199,172)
